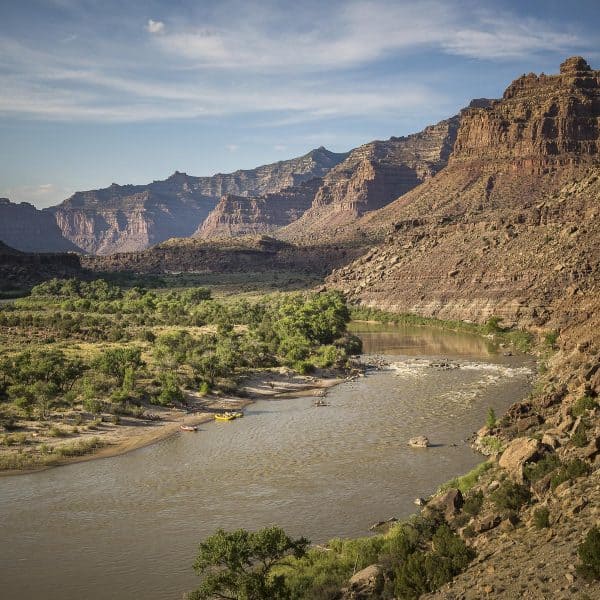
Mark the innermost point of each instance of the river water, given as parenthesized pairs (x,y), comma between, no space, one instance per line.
(128,527)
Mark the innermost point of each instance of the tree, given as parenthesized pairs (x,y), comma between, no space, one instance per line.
(237,565)
(117,361)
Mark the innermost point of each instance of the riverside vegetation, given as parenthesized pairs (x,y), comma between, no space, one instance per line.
(98,353)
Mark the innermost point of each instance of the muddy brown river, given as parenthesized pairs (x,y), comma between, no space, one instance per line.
(128,527)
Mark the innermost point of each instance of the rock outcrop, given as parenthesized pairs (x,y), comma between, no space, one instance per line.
(134,217)
(510,226)
(229,255)
(24,227)
(21,270)
(372,176)
(251,215)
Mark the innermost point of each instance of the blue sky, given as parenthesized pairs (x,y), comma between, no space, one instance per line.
(99,91)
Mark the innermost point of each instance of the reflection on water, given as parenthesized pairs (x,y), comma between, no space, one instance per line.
(128,527)
(413,340)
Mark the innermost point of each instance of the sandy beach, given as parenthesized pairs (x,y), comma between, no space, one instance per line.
(131,433)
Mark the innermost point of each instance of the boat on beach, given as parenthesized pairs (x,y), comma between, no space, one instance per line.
(229,416)
(188,427)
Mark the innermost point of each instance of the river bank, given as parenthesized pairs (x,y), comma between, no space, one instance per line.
(102,438)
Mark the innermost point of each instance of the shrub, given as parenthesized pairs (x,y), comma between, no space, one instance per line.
(571,470)
(550,339)
(304,367)
(491,418)
(492,325)
(579,438)
(473,503)
(541,518)
(492,444)
(510,496)
(589,555)
(535,471)
(582,404)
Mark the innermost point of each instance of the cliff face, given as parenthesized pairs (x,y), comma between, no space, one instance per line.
(372,176)
(24,227)
(510,226)
(129,218)
(123,218)
(239,215)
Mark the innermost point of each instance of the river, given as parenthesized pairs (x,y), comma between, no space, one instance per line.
(128,527)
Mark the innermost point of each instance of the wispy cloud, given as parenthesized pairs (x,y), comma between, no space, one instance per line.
(155,26)
(260,58)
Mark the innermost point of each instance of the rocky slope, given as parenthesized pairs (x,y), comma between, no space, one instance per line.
(372,176)
(134,217)
(510,228)
(250,215)
(237,255)
(510,225)
(20,270)
(24,227)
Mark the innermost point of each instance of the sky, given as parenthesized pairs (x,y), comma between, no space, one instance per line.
(100,91)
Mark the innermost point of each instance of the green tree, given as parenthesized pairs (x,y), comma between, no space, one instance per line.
(237,565)
(116,362)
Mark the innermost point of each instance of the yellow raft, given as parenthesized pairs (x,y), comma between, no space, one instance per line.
(228,416)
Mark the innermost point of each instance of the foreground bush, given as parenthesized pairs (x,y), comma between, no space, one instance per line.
(589,554)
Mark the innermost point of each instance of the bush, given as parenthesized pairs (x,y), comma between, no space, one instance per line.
(572,470)
(510,496)
(579,438)
(550,339)
(541,518)
(304,367)
(473,503)
(491,418)
(582,405)
(491,444)
(589,555)
(535,471)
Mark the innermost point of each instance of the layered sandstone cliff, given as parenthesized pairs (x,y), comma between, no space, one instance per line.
(24,227)
(250,215)
(510,226)
(372,176)
(134,217)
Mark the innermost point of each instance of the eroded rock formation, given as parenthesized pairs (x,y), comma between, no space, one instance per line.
(134,217)
(510,226)
(372,176)
(24,227)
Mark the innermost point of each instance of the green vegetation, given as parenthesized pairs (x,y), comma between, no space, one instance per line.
(416,556)
(541,518)
(239,564)
(589,555)
(491,420)
(465,482)
(473,503)
(96,349)
(510,496)
(582,405)
(535,471)
(491,444)
(567,471)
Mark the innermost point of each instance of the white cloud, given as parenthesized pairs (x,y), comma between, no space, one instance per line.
(155,26)
(280,147)
(232,147)
(290,68)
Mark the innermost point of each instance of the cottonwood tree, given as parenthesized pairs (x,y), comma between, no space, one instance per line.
(238,565)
